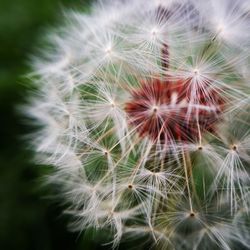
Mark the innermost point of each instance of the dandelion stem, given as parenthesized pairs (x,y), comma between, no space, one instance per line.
(157,198)
(199,130)
(187,180)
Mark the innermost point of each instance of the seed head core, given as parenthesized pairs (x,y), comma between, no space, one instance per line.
(166,110)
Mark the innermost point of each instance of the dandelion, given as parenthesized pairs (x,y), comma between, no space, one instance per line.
(143,110)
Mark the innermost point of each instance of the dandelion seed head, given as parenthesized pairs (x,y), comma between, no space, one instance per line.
(142,107)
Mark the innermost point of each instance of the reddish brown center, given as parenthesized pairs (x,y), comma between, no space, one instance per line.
(168,111)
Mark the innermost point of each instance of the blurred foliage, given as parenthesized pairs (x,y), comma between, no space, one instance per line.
(28,219)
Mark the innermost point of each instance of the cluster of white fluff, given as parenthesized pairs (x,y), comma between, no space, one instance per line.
(178,194)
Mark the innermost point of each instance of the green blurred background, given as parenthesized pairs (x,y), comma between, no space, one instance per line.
(29,220)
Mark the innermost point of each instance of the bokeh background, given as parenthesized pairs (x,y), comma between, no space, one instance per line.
(29,219)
